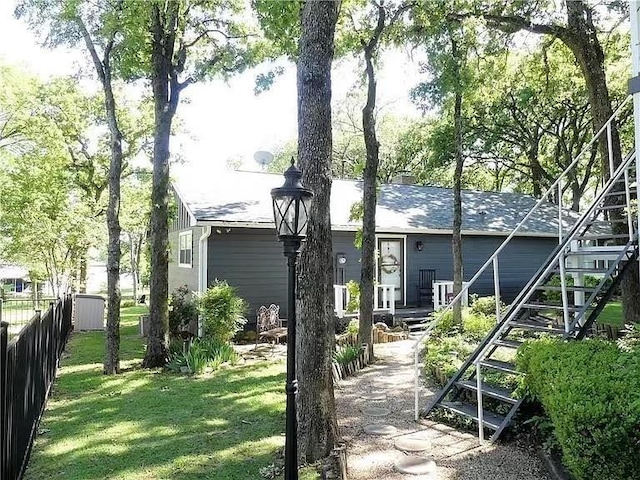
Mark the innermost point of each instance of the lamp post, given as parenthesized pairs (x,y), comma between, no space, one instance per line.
(291,204)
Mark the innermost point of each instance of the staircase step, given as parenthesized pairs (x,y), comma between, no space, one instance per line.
(546,306)
(499,365)
(610,207)
(570,288)
(536,326)
(584,270)
(498,393)
(613,250)
(632,191)
(505,342)
(602,236)
(489,419)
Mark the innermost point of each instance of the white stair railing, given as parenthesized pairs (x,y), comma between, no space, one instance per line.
(563,219)
(383,299)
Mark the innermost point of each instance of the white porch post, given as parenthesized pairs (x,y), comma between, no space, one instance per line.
(203,265)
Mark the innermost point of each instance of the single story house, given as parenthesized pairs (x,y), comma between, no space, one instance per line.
(224,230)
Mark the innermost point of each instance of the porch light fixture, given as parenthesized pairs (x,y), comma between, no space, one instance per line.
(419,245)
(291,204)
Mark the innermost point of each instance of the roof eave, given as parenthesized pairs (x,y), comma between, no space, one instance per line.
(353,228)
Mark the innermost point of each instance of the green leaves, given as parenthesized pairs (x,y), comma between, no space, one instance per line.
(591,392)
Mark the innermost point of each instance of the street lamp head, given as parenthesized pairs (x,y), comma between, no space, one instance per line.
(291,204)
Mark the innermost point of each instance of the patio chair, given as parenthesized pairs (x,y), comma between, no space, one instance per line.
(269,324)
(424,288)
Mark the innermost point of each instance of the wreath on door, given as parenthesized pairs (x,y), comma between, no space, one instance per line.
(389,258)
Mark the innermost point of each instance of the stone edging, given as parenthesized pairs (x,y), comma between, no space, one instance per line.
(556,470)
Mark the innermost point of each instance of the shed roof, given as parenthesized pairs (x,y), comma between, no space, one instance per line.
(243,199)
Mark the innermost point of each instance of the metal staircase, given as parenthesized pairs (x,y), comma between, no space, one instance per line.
(601,243)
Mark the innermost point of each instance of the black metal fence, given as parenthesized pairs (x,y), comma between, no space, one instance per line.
(28,364)
(18,312)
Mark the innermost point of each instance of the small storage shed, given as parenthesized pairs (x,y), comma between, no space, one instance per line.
(88,312)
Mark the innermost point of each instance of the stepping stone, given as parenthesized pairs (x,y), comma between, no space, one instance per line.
(408,444)
(376,411)
(379,429)
(416,466)
(373,396)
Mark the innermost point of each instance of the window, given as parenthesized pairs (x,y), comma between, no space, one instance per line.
(185,253)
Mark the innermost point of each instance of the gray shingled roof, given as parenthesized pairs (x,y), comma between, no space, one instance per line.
(243,198)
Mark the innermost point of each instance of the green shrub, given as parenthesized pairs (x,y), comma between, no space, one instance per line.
(196,359)
(476,326)
(346,354)
(203,354)
(446,354)
(181,310)
(127,304)
(445,324)
(485,305)
(591,392)
(221,310)
(353,288)
(218,350)
(354,327)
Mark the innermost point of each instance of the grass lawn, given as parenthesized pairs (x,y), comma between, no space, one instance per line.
(612,315)
(153,425)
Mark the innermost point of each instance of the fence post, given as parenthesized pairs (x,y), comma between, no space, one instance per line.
(4,337)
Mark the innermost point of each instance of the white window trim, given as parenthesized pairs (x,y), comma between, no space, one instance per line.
(189,236)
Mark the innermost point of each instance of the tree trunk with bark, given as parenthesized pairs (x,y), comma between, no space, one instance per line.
(166,95)
(456,242)
(370,195)
(103,69)
(317,425)
(82,287)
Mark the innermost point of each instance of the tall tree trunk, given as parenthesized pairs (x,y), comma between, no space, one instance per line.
(317,425)
(166,95)
(537,172)
(82,288)
(103,69)
(370,175)
(456,242)
(133,244)
(112,358)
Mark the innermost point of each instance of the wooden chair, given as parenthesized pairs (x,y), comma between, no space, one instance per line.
(269,324)
(424,288)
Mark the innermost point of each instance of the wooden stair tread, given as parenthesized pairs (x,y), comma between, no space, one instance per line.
(490,419)
(536,326)
(505,342)
(492,391)
(506,367)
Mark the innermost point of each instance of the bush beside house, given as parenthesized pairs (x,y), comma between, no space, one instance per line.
(591,392)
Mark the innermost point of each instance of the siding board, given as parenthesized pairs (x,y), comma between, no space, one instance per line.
(252,260)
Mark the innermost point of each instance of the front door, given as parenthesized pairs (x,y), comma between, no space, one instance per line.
(391,265)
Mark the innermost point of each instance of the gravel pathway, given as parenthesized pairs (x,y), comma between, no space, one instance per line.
(457,455)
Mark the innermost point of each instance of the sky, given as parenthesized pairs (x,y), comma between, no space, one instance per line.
(222,120)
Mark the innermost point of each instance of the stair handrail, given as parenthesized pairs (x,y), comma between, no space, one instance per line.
(476,356)
(558,252)
(606,127)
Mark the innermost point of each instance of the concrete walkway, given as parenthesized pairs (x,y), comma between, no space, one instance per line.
(388,385)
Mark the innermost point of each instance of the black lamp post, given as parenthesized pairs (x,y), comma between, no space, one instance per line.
(291,214)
